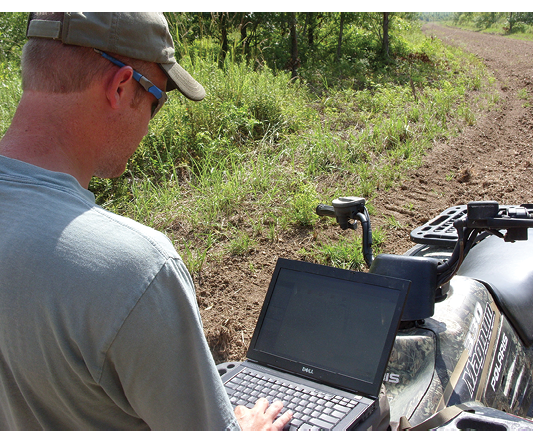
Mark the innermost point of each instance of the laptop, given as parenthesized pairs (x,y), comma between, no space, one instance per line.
(321,345)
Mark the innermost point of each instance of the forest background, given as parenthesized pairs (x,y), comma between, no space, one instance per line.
(301,108)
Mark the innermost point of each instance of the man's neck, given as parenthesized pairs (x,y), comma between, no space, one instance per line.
(43,137)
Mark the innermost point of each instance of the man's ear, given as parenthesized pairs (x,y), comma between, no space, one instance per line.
(118,88)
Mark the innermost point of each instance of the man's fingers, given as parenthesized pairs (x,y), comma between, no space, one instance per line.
(274,409)
(240,411)
(260,407)
(282,421)
(262,416)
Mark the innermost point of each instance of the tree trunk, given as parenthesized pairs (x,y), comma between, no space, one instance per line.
(245,44)
(310,28)
(339,43)
(385,43)
(224,38)
(295,61)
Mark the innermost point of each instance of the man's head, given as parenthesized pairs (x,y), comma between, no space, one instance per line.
(134,38)
(91,83)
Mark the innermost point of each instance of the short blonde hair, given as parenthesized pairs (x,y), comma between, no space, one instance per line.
(52,66)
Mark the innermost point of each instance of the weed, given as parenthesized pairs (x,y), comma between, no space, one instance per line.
(393,223)
(524,95)
(346,253)
(302,205)
(241,244)
(254,158)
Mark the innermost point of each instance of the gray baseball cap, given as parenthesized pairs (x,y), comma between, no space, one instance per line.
(139,35)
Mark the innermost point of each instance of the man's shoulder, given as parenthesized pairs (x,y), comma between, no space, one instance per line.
(126,234)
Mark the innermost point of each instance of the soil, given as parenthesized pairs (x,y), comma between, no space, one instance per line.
(491,160)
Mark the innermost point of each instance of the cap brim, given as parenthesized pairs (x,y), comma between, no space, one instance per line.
(181,80)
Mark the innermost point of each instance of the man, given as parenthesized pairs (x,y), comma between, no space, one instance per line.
(99,327)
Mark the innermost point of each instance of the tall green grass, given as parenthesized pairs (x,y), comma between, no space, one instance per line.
(249,163)
(10,92)
(478,22)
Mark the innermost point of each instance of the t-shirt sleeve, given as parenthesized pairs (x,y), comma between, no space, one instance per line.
(160,368)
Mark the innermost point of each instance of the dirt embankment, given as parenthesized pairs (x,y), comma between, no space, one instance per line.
(492,160)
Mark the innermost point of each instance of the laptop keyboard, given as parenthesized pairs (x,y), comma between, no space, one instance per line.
(312,409)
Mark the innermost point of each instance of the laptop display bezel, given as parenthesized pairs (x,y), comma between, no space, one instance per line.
(321,375)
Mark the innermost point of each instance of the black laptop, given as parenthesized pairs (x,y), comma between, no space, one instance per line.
(321,344)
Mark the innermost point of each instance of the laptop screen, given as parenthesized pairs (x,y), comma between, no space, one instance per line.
(327,324)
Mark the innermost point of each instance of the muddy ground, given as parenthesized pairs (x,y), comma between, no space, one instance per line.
(491,160)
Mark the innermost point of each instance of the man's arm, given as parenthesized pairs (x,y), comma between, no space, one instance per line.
(160,366)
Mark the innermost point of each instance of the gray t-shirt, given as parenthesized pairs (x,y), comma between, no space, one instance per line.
(99,325)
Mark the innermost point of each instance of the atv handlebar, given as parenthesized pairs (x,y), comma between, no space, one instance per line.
(325,210)
(347,211)
(480,217)
(487,217)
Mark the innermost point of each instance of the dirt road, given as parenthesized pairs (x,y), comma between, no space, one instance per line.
(492,160)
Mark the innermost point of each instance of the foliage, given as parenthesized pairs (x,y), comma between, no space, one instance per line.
(249,163)
(504,22)
(12,36)
(10,92)
(262,38)
(435,16)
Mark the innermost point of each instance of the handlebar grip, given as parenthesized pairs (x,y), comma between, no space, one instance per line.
(325,210)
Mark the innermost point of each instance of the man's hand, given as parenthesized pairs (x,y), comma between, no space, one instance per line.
(262,417)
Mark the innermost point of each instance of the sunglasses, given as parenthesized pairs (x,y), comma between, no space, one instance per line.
(159,94)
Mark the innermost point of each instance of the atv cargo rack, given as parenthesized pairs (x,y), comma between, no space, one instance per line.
(441,231)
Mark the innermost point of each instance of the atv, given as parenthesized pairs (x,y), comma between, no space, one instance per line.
(463,356)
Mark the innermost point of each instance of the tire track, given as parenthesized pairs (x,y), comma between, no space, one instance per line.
(491,160)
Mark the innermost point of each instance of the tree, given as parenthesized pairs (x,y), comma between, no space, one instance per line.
(339,43)
(223,24)
(295,60)
(385,42)
(516,18)
(12,35)
(245,24)
(309,28)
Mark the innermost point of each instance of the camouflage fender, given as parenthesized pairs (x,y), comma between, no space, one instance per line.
(466,352)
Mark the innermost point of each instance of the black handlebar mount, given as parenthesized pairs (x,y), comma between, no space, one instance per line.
(347,211)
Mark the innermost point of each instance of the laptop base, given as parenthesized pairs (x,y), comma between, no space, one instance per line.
(379,419)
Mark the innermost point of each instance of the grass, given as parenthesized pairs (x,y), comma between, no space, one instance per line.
(251,161)
(501,27)
(10,92)
(254,159)
(524,95)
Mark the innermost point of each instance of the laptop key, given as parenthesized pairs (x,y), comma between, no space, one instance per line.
(338,414)
(305,418)
(320,423)
(342,409)
(328,418)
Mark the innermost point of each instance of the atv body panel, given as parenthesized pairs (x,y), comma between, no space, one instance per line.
(471,351)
